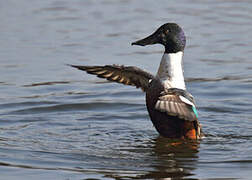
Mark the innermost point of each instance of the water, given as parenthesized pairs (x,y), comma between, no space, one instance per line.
(59,123)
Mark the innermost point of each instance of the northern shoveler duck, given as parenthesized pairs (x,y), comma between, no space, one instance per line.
(171,108)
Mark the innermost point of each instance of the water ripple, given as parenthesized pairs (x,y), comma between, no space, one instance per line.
(98,106)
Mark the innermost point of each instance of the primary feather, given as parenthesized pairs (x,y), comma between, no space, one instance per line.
(128,75)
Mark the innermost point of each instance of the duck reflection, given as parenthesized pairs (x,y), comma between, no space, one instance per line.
(175,159)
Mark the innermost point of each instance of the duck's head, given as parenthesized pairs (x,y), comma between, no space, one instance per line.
(170,35)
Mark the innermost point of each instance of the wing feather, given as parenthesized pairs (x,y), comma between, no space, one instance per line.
(173,104)
(128,75)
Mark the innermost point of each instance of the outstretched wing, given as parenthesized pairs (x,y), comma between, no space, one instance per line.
(128,75)
(177,102)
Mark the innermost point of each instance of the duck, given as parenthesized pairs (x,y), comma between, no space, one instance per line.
(171,107)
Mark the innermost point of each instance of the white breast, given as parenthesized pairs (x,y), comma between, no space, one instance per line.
(170,71)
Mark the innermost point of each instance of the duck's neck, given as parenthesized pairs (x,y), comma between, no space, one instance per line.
(170,71)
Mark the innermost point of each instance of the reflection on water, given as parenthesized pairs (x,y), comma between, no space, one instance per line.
(59,123)
(176,159)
